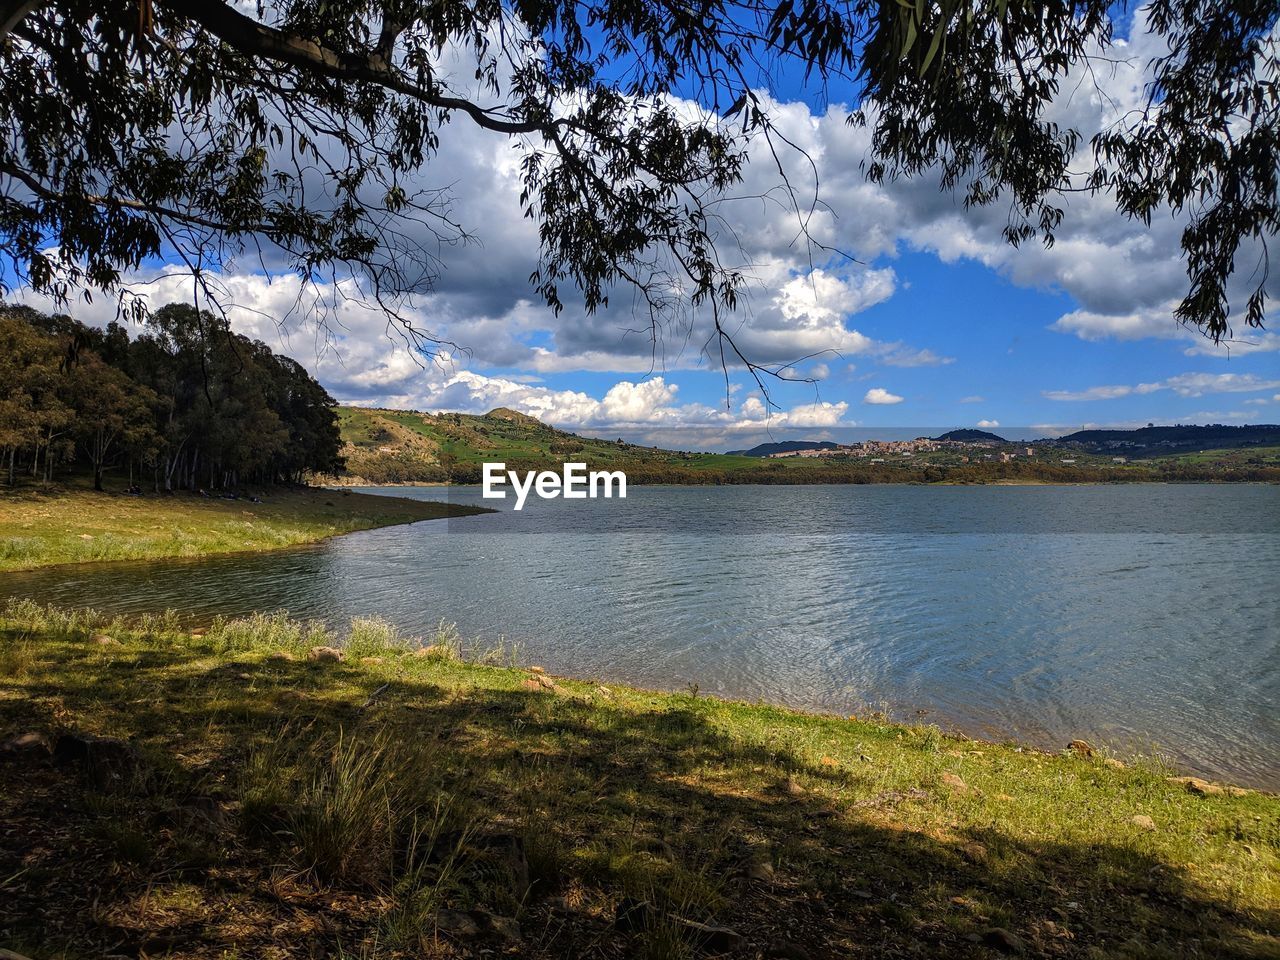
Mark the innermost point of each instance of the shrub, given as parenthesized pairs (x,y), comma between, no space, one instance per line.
(267,632)
(360,807)
(372,635)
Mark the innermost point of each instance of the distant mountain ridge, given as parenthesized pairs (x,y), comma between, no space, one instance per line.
(971,436)
(1178,436)
(783,446)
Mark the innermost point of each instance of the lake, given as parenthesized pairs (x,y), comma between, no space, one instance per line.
(1143,617)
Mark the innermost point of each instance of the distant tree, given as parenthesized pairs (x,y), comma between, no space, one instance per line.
(111,412)
(204,130)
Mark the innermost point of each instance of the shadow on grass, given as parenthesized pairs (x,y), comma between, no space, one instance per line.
(612,807)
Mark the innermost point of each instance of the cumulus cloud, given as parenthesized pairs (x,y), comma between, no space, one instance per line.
(814,415)
(1198,384)
(988,424)
(1184,384)
(1135,325)
(1159,322)
(879,395)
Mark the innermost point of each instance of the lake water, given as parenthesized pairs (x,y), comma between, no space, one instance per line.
(1143,617)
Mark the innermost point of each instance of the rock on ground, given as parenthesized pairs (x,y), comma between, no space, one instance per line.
(25,746)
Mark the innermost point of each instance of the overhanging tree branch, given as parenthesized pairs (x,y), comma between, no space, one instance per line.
(259,40)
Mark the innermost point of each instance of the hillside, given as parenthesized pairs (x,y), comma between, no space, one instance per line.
(971,436)
(784,446)
(406,446)
(1154,441)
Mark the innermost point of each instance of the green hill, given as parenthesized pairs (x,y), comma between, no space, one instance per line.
(972,436)
(785,446)
(406,446)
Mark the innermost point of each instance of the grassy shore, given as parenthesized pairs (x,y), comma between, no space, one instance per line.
(72,525)
(268,800)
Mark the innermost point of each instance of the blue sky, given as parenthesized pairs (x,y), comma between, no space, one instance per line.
(1005,356)
(939,324)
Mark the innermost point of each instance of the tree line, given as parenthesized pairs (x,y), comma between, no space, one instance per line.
(187,404)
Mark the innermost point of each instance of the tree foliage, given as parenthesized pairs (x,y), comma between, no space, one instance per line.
(187,403)
(298,132)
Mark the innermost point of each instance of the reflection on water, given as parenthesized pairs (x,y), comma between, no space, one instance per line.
(1142,617)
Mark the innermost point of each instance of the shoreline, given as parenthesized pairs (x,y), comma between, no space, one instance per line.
(497,656)
(69,526)
(896,714)
(410,484)
(251,785)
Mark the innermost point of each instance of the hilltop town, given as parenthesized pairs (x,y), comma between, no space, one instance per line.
(879,451)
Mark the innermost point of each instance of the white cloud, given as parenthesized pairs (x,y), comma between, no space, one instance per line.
(1159,322)
(636,402)
(1198,384)
(900,355)
(1184,384)
(1090,325)
(988,424)
(1094,393)
(815,415)
(1242,344)
(1224,416)
(879,395)
(973,399)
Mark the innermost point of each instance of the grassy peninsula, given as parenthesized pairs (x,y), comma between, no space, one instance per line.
(264,788)
(73,524)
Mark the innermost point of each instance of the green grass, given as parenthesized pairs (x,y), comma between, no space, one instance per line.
(73,525)
(359,808)
(1236,457)
(500,435)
